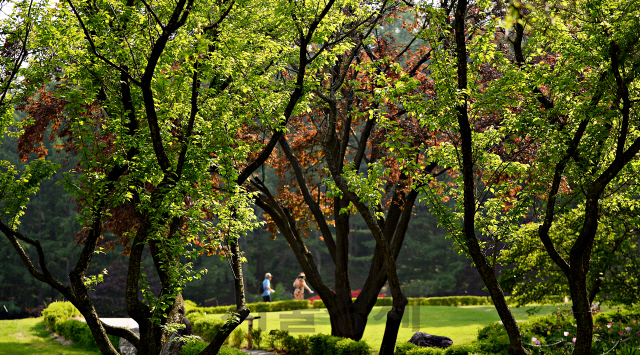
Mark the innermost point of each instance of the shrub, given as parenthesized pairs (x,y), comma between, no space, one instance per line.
(351,347)
(194,347)
(199,345)
(318,304)
(256,336)
(237,337)
(275,339)
(58,311)
(296,346)
(189,305)
(426,351)
(321,344)
(206,326)
(80,334)
(403,348)
(464,349)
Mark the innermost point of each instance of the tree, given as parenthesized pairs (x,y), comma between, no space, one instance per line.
(614,269)
(150,98)
(542,127)
(334,164)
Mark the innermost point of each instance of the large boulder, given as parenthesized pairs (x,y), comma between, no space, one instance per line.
(430,341)
(126,348)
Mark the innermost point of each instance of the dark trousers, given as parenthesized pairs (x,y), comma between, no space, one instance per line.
(266,298)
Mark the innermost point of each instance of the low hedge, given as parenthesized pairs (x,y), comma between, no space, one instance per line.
(320,344)
(80,334)
(197,346)
(206,326)
(57,318)
(257,307)
(463,349)
(58,312)
(428,301)
(291,305)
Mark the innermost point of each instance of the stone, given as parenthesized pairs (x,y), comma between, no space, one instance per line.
(173,346)
(430,341)
(126,348)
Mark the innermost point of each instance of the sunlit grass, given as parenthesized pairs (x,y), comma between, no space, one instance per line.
(461,324)
(29,336)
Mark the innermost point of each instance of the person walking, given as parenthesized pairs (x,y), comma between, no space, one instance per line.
(299,285)
(266,286)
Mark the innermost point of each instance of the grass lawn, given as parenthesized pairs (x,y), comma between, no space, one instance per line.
(461,324)
(29,336)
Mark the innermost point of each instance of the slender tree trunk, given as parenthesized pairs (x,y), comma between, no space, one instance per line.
(581,311)
(466,149)
(394,319)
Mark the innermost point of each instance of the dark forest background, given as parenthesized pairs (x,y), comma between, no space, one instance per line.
(428,264)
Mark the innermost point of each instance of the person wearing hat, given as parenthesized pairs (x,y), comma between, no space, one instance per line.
(266,286)
(298,287)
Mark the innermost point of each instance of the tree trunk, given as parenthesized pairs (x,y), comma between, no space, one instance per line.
(346,321)
(581,311)
(394,319)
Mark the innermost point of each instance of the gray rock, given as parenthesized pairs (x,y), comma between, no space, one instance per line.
(430,341)
(173,346)
(126,348)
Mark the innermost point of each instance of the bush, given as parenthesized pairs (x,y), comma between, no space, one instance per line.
(464,349)
(194,347)
(205,326)
(275,339)
(256,336)
(351,347)
(80,334)
(321,344)
(404,348)
(296,346)
(189,305)
(57,312)
(199,345)
(237,337)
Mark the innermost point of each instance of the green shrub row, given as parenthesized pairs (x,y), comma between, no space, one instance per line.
(57,318)
(291,305)
(199,345)
(445,301)
(257,307)
(464,349)
(58,312)
(80,334)
(428,301)
(321,344)
(206,326)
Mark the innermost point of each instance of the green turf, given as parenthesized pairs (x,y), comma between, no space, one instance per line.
(29,336)
(461,324)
